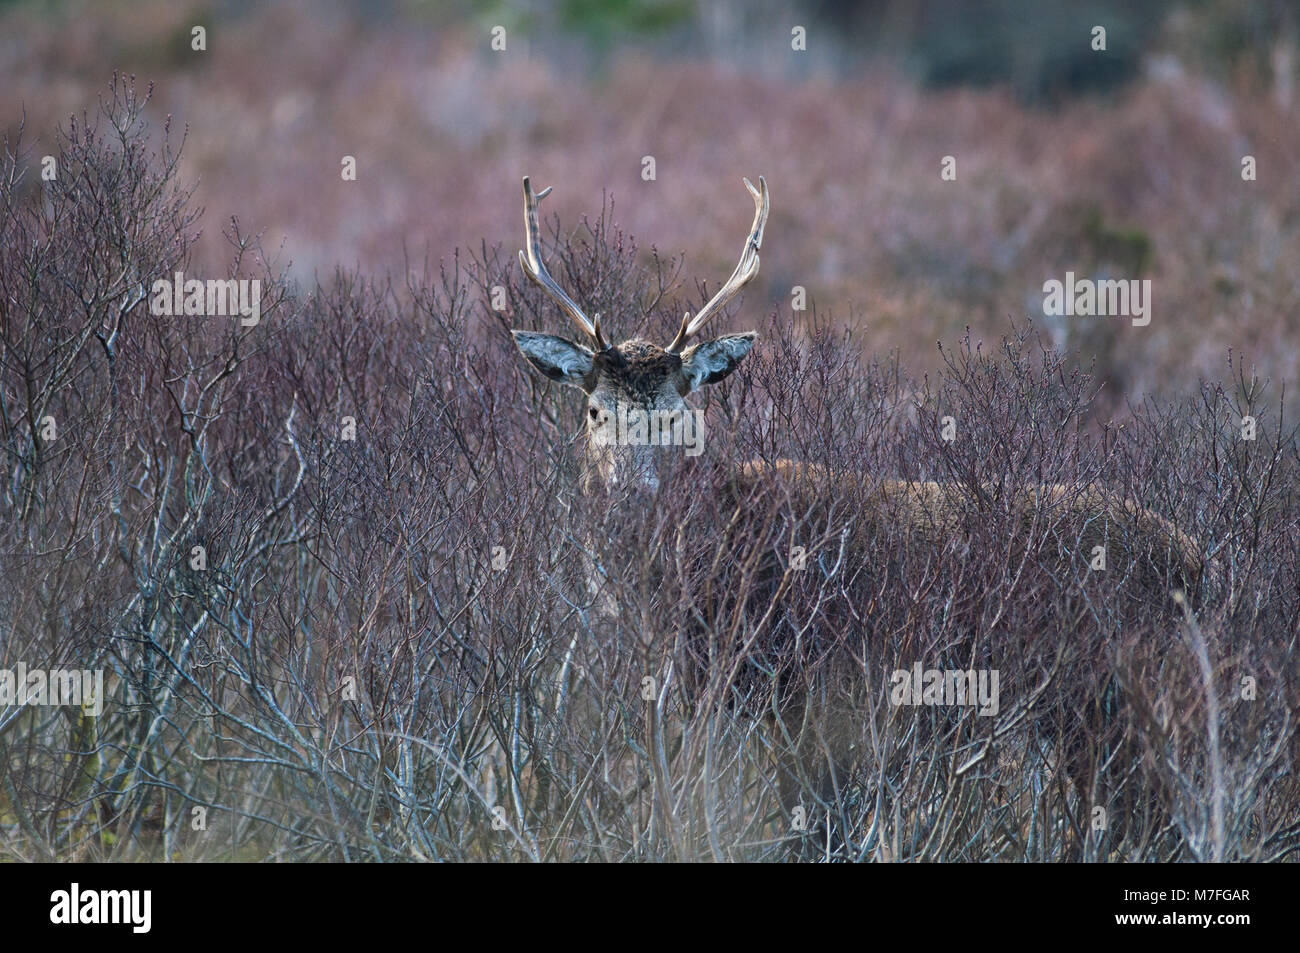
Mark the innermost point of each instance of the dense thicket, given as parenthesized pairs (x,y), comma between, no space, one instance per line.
(389,651)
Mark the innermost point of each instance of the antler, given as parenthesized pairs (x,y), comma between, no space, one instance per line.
(534,269)
(746,270)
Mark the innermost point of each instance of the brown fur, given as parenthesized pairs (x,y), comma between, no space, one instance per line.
(637,368)
(821,719)
(932,511)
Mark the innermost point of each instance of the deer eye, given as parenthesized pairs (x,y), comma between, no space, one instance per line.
(595,414)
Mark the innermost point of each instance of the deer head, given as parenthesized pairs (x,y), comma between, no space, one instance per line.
(636,391)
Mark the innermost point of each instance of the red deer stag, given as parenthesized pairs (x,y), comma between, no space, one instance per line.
(639,377)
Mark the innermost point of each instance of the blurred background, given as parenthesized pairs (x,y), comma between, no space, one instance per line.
(1121,163)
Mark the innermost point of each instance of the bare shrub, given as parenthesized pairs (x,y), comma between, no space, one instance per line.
(393,650)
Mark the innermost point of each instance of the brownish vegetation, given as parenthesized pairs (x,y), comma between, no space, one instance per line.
(390,652)
(1145,183)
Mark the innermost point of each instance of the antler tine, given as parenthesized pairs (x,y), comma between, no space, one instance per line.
(534,269)
(745,270)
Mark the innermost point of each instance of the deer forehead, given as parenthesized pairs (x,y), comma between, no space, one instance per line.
(637,370)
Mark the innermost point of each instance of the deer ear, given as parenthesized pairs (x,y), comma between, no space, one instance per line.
(558,359)
(711,361)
